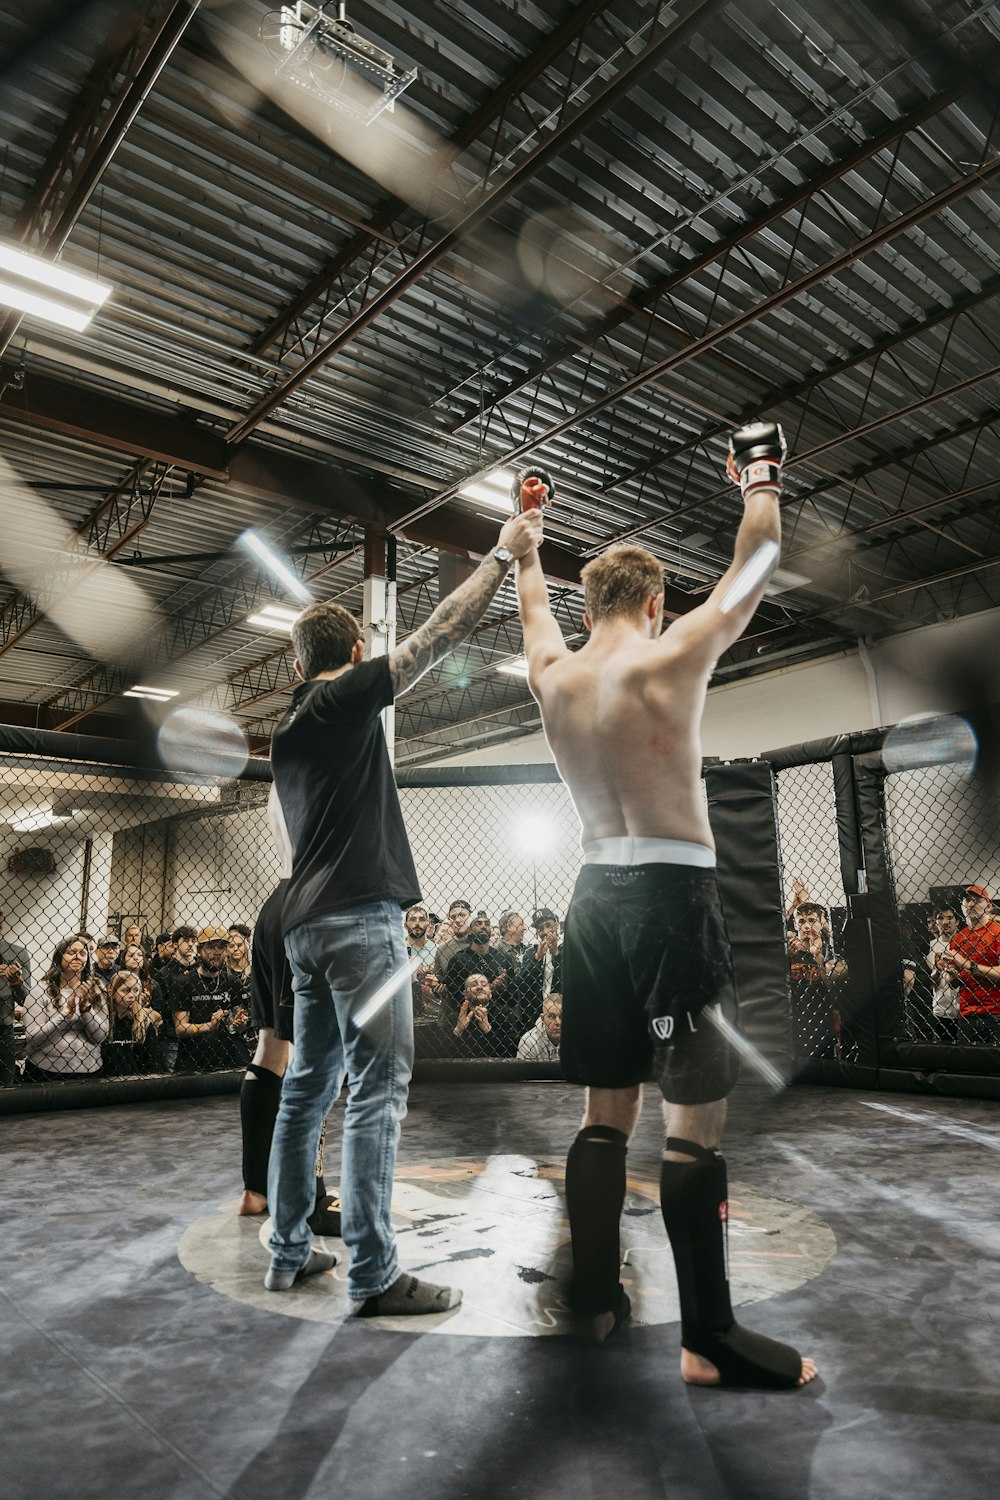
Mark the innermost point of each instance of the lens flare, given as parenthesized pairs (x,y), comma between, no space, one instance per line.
(942,741)
(202,742)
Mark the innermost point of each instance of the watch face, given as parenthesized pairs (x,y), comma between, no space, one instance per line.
(503,554)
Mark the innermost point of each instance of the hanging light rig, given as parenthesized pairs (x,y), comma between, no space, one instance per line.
(324,55)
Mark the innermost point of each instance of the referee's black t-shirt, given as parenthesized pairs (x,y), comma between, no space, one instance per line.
(334,778)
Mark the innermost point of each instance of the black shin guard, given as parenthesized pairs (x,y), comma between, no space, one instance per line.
(694,1204)
(595,1194)
(259,1099)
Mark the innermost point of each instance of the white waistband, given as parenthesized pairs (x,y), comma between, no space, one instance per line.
(640,851)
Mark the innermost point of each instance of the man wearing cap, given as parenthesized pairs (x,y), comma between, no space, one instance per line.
(973,957)
(165,949)
(107,962)
(207,1020)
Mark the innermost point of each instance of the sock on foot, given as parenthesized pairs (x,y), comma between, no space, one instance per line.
(283,1281)
(408,1296)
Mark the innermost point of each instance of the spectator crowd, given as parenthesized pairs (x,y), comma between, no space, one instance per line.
(120,1005)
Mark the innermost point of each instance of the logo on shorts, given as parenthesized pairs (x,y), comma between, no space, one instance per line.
(623,875)
(663,1028)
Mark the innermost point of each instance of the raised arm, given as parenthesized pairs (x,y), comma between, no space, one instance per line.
(715,625)
(463,608)
(543,639)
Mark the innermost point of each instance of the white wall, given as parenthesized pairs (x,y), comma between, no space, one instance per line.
(39,910)
(919,672)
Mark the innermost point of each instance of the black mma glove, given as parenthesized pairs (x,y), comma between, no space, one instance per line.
(756,454)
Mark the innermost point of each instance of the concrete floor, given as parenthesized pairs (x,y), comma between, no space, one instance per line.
(129,1374)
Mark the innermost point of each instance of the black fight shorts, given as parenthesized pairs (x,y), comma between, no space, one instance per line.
(645,958)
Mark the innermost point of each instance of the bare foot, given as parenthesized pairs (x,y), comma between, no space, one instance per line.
(698,1371)
(252,1203)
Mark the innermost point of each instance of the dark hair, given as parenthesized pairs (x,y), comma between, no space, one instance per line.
(324,636)
(54,975)
(459,902)
(620,581)
(811,908)
(942,909)
(241,928)
(184,932)
(543,914)
(164,937)
(504,920)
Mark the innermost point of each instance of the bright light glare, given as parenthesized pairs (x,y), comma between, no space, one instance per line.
(275,617)
(202,741)
(755,1060)
(750,575)
(517,666)
(156,694)
(384,994)
(493,490)
(76,297)
(273,563)
(534,835)
(43,818)
(928,740)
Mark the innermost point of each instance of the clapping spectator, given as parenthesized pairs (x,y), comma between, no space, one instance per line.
(547,954)
(944,1000)
(473,1024)
(541,1043)
(477,957)
(973,957)
(65,1017)
(209,1019)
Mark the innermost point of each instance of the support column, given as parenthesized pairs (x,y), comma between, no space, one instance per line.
(379,618)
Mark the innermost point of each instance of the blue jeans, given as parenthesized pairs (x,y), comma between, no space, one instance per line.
(353,1017)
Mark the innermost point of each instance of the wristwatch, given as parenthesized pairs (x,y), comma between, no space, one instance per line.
(503,555)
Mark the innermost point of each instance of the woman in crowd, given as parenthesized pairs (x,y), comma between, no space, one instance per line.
(131,1047)
(238,966)
(65,1019)
(135,961)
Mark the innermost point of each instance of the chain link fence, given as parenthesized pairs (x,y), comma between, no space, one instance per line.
(129,897)
(815,911)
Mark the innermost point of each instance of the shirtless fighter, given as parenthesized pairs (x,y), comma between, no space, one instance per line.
(645,956)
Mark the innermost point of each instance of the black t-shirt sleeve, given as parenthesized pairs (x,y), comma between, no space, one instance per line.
(362,692)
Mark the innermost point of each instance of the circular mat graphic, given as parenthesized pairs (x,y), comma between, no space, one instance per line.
(497,1228)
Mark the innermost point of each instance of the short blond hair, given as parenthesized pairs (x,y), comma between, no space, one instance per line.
(620,581)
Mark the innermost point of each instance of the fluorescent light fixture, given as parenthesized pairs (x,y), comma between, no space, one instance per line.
(274,565)
(517,666)
(493,490)
(275,617)
(49,291)
(43,818)
(154,694)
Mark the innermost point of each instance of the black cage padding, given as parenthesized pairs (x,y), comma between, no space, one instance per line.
(741,812)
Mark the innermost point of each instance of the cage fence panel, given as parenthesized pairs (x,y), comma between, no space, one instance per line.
(816,909)
(940,828)
(509,855)
(98,862)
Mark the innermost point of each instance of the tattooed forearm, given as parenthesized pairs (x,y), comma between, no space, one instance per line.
(449,624)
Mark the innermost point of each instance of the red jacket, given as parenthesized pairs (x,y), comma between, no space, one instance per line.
(978,997)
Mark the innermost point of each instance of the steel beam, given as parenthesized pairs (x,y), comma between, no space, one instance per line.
(970,183)
(88,144)
(652,54)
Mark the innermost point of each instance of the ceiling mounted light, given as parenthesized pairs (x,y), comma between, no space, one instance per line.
(493,490)
(275,565)
(275,617)
(517,666)
(325,56)
(37,286)
(153,694)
